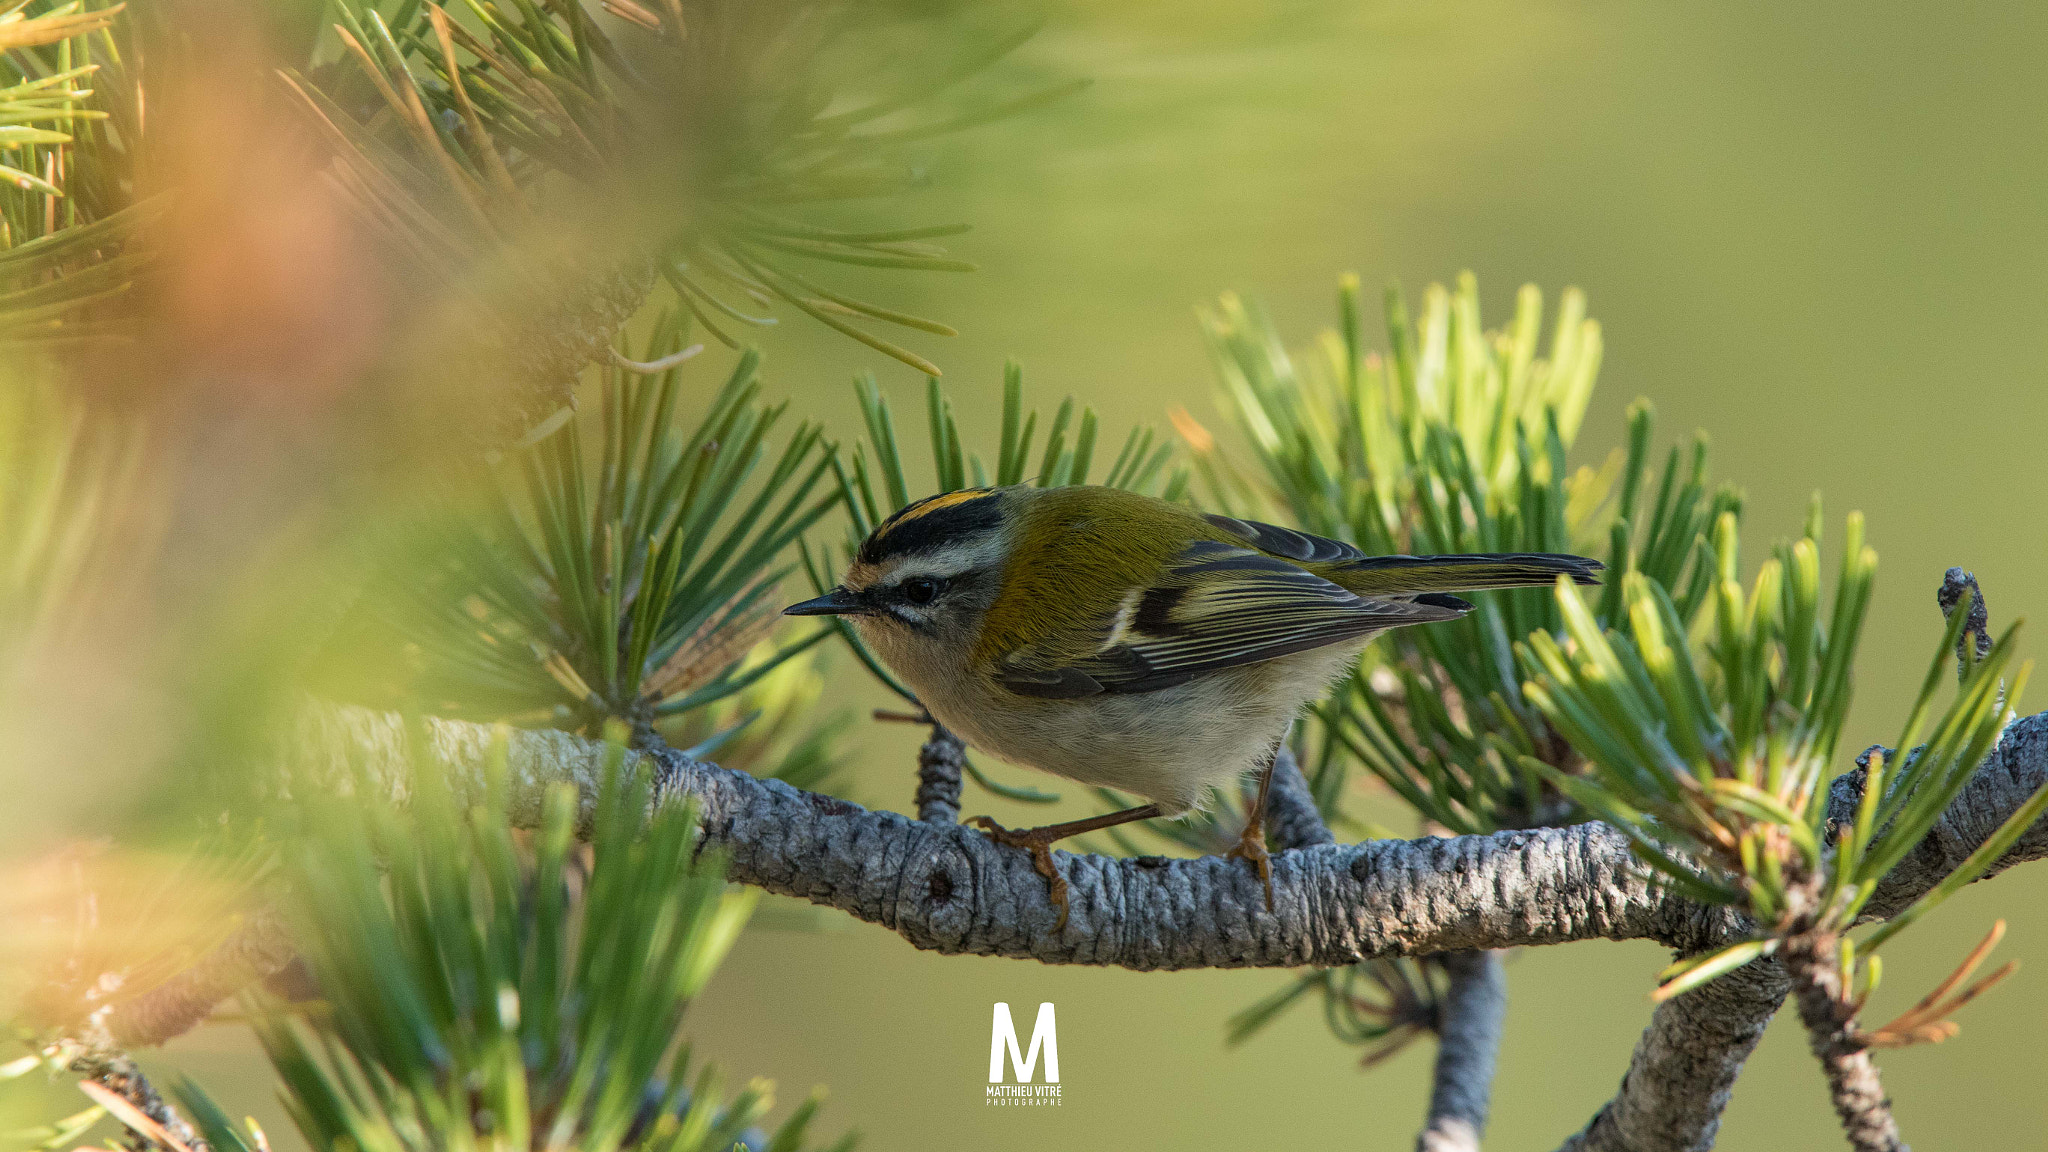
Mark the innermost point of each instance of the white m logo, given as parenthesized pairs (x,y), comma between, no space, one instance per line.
(1003,1034)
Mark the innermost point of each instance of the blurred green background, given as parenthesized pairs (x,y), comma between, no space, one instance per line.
(1815,231)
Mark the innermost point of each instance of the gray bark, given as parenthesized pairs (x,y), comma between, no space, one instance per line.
(98,1058)
(939,763)
(1292,819)
(950,889)
(1683,1071)
(1473,1009)
(1468,1042)
(2015,768)
(1684,1067)
(1815,965)
(254,952)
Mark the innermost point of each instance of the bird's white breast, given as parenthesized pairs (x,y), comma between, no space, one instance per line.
(1169,746)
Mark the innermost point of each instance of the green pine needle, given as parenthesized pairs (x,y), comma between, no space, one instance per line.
(70,125)
(462,132)
(1456,439)
(625,565)
(480,991)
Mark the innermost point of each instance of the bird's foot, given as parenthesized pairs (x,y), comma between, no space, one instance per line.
(1251,845)
(1038,842)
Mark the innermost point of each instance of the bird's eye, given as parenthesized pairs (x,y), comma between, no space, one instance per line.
(923,590)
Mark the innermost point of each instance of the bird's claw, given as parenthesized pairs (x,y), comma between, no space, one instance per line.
(1251,845)
(1039,845)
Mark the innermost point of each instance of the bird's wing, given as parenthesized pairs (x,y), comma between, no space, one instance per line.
(1403,575)
(1215,606)
(1286,541)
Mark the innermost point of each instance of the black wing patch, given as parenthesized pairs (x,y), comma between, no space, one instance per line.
(1299,546)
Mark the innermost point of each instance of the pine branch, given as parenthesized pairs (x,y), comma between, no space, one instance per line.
(622,566)
(256,951)
(1370,900)
(949,889)
(1461,1089)
(938,777)
(1683,1070)
(128,1094)
(72,235)
(553,168)
(514,991)
(1292,818)
(1814,962)
(952,890)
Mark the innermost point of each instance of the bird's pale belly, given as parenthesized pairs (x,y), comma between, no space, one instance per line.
(1170,746)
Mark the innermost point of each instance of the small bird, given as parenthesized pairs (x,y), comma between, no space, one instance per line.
(1124,641)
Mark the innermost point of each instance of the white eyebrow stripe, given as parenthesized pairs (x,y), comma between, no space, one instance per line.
(949,561)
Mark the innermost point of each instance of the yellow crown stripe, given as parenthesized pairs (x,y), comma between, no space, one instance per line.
(937,503)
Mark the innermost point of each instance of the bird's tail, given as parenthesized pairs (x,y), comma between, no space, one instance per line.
(1413,575)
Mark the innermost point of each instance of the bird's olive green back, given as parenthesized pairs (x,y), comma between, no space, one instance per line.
(1079,555)
(1076,553)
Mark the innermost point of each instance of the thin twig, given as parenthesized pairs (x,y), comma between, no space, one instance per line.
(1468,1044)
(1813,960)
(255,951)
(93,1054)
(938,777)
(1292,818)
(1975,642)
(1683,1071)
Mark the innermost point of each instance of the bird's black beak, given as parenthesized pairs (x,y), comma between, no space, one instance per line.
(837,602)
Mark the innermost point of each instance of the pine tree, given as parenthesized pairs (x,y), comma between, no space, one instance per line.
(483,740)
